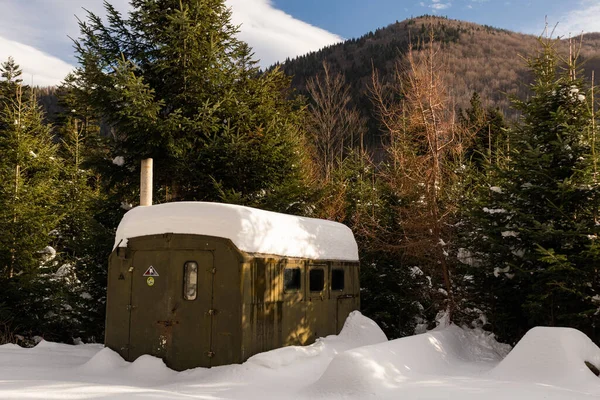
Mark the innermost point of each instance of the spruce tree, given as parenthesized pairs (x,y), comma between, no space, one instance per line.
(488,129)
(83,242)
(29,205)
(534,226)
(175,84)
(28,184)
(10,73)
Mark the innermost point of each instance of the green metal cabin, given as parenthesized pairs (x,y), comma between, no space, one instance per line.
(260,281)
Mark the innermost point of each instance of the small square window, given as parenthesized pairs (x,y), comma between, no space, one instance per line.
(317,280)
(292,279)
(337,279)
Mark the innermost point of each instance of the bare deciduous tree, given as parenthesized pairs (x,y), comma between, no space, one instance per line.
(425,147)
(333,123)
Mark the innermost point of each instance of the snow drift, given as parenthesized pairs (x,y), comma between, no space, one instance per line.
(554,356)
(451,351)
(359,363)
(358,331)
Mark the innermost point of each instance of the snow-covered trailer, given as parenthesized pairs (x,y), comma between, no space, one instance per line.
(204,284)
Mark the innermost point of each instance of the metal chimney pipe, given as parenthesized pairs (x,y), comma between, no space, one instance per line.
(146,183)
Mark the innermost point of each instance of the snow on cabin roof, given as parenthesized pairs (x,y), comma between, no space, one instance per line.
(250,229)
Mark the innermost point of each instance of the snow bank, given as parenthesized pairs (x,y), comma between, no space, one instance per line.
(250,229)
(45,354)
(554,356)
(447,363)
(105,360)
(146,369)
(358,331)
(150,369)
(10,346)
(451,351)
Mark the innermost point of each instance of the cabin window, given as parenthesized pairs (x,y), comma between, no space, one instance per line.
(190,280)
(317,279)
(291,279)
(337,279)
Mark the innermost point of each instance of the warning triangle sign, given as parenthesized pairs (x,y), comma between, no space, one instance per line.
(151,271)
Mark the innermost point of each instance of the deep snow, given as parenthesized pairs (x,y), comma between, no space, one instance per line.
(250,229)
(446,363)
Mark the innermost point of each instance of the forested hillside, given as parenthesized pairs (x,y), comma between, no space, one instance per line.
(476,58)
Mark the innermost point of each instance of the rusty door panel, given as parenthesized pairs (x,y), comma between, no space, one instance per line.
(118,301)
(318,315)
(150,304)
(191,346)
(346,300)
(227,310)
(295,326)
(345,305)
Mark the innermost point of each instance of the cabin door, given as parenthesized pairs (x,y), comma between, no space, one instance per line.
(150,302)
(344,288)
(346,303)
(317,307)
(193,309)
(171,307)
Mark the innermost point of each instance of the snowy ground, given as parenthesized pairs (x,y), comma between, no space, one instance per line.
(357,364)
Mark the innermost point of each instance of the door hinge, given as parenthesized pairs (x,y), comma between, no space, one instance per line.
(210,354)
(212,311)
(130,307)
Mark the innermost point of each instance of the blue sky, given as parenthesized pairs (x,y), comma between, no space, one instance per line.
(353,18)
(35,32)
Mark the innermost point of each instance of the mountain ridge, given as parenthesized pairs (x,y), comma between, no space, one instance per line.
(479,58)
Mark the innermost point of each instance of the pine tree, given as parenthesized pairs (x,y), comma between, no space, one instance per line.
(29,204)
(10,73)
(534,227)
(29,170)
(82,241)
(488,130)
(175,84)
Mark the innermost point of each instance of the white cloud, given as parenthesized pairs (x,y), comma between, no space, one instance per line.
(36,34)
(47,24)
(583,18)
(275,35)
(39,69)
(436,5)
(440,6)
